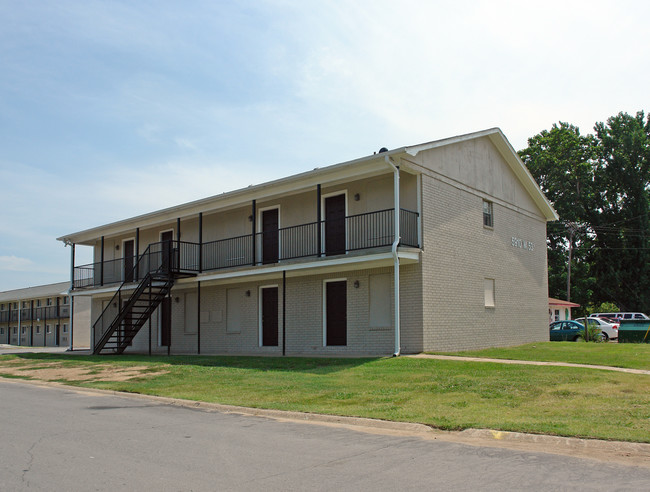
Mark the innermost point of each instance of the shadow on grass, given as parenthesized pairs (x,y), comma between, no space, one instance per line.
(314,365)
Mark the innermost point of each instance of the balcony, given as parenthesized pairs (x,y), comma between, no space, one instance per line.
(325,238)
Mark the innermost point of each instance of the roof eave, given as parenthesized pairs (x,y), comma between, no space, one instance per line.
(295,183)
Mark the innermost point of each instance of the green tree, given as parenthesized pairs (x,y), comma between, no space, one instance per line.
(563,163)
(621,219)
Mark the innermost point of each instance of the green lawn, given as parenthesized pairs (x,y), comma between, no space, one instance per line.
(444,394)
(630,355)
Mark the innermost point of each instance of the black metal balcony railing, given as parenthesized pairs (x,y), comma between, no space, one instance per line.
(363,231)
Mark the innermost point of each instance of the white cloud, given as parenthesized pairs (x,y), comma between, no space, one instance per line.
(16,264)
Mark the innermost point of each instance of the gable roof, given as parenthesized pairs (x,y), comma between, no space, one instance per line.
(560,302)
(49,290)
(354,169)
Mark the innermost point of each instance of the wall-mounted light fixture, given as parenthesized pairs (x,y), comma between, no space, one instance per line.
(356,284)
(177,299)
(250,218)
(117,247)
(357,197)
(248,293)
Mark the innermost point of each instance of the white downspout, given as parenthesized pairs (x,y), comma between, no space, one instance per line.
(396,241)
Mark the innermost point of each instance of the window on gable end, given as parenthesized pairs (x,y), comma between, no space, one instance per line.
(488,215)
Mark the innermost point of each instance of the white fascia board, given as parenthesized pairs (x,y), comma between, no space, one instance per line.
(37,291)
(523,174)
(258,273)
(338,173)
(305,268)
(509,154)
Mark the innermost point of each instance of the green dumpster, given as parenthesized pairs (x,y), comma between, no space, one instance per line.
(634,331)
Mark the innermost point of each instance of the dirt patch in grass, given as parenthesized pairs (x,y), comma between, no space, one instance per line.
(55,371)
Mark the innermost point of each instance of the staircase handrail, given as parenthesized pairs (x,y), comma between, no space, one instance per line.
(118,294)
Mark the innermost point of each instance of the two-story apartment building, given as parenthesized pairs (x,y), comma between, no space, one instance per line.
(42,316)
(438,246)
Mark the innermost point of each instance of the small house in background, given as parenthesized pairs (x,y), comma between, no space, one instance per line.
(559,310)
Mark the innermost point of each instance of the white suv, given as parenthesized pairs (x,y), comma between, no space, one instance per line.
(620,315)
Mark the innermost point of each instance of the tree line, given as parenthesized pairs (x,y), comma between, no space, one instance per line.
(599,184)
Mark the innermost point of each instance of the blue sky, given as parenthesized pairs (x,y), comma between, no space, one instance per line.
(110,109)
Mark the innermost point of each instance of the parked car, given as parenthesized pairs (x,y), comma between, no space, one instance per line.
(619,315)
(566,331)
(608,331)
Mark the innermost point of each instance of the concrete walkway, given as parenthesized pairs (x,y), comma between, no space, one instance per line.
(530,363)
(25,349)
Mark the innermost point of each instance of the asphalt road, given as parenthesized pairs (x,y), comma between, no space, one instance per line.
(54,438)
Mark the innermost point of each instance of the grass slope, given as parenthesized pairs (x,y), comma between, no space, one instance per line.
(445,394)
(629,355)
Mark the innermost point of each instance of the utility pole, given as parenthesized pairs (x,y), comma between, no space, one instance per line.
(573,228)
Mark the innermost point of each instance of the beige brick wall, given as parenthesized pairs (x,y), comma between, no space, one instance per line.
(304,319)
(459,253)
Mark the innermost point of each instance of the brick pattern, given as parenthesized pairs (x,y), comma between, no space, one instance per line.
(459,253)
(304,320)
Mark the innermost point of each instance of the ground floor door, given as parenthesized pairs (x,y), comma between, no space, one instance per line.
(336,308)
(165,321)
(269,316)
(57,335)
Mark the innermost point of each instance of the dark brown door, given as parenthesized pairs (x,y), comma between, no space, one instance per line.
(335,225)
(57,335)
(127,324)
(165,321)
(166,250)
(270,317)
(128,260)
(270,223)
(336,312)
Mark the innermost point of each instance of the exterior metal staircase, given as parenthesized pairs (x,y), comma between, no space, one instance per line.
(127,312)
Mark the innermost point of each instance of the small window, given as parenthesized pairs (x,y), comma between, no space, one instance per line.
(488,218)
(65,299)
(49,301)
(15,305)
(48,329)
(489,292)
(2,331)
(2,307)
(24,330)
(15,330)
(25,304)
(557,315)
(38,330)
(65,328)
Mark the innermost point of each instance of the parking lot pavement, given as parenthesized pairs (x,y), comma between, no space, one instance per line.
(119,442)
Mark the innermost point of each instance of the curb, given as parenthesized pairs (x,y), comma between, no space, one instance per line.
(621,452)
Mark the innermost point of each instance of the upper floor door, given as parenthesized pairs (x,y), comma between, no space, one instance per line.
(335,225)
(128,250)
(166,250)
(270,235)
